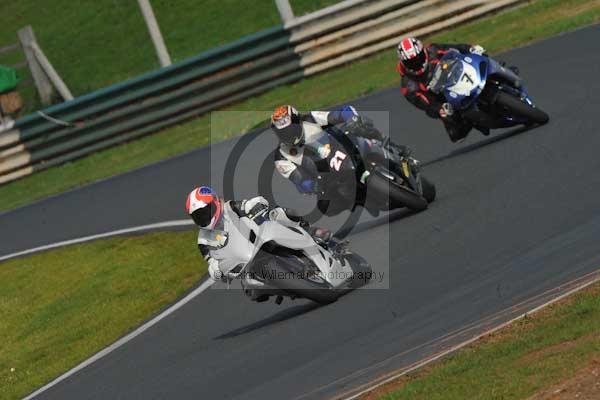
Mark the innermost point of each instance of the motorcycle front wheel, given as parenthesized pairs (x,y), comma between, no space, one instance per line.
(319,292)
(515,106)
(387,191)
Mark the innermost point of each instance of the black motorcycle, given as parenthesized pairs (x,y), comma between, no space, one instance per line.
(357,170)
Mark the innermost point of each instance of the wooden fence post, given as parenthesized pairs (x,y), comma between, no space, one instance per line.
(42,83)
(285,10)
(56,80)
(157,39)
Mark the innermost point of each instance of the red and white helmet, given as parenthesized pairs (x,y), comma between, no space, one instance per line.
(204,207)
(412,55)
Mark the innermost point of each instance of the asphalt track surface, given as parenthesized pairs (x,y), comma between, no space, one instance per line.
(517,214)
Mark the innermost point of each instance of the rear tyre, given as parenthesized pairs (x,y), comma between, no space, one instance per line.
(386,191)
(429,191)
(518,108)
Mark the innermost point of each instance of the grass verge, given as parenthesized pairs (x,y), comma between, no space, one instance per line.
(524,359)
(535,21)
(60,307)
(96,43)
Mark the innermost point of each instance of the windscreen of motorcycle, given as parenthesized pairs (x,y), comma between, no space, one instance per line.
(468,80)
(455,76)
(446,74)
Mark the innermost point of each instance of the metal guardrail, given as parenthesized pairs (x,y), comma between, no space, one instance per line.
(224,75)
(375,26)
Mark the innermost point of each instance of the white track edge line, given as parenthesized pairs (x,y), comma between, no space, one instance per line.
(473,339)
(132,335)
(166,224)
(208,283)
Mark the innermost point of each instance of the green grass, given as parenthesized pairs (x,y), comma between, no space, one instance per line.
(106,41)
(60,307)
(535,21)
(530,355)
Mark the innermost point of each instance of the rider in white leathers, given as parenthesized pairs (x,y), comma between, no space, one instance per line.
(209,212)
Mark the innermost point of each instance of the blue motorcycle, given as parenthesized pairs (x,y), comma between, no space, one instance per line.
(484,92)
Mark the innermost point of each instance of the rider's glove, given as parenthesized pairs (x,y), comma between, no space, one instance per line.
(254,205)
(446,110)
(348,113)
(477,49)
(307,186)
(213,270)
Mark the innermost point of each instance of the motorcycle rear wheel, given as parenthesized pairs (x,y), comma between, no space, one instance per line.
(517,107)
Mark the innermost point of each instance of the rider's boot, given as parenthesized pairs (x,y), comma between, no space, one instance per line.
(404,151)
(371,209)
(338,247)
(484,130)
(457,129)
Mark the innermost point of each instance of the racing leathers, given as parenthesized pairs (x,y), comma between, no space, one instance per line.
(415,88)
(211,239)
(296,163)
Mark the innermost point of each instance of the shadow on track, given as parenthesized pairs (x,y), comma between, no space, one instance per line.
(351,227)
(372,223)
(480,144)
(280,316)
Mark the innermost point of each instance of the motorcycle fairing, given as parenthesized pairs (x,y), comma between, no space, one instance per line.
(246,239)
(462,80)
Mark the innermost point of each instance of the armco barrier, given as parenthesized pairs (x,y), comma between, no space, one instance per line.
(256,63)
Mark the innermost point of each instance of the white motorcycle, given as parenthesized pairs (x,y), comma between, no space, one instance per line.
(275,256)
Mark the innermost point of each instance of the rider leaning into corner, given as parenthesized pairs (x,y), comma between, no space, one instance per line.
(295,130)
(416,65)
(209,212)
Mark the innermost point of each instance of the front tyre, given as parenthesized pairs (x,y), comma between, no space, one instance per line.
(319,292)
(518,108)
(393,195)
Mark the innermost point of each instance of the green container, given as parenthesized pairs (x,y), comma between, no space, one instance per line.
(8,79)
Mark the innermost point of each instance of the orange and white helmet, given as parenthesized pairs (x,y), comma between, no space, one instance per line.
(285,122)
(204,206)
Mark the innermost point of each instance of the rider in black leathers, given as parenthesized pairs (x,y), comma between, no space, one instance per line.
(294,131)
